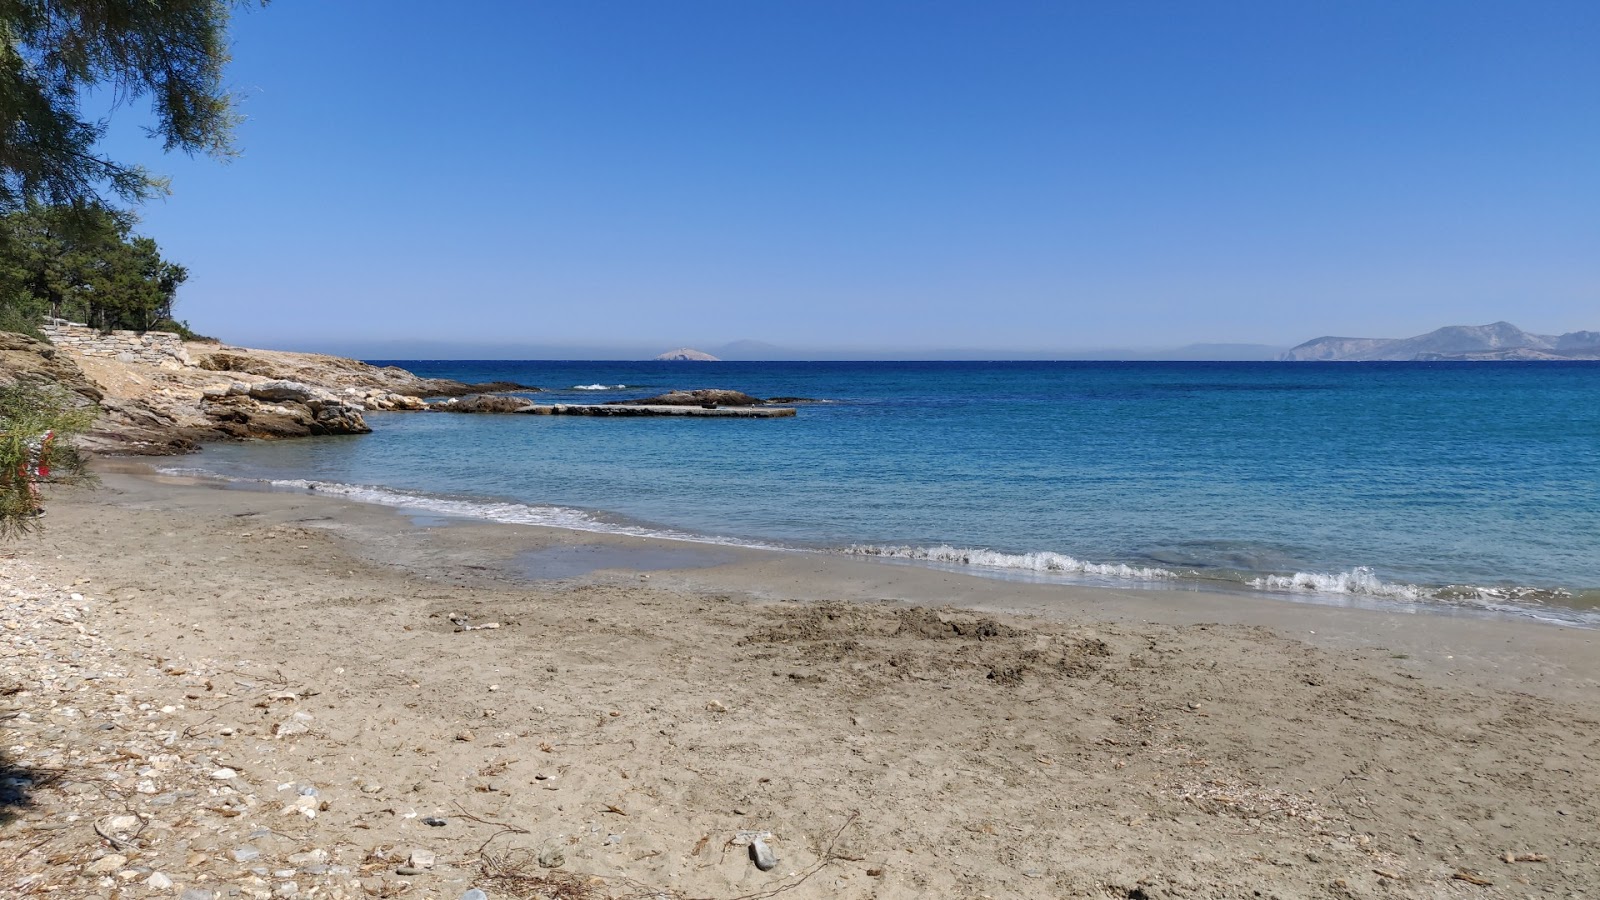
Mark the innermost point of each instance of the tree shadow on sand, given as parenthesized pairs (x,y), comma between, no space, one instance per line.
(18,784)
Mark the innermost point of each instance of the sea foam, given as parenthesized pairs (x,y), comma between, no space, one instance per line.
(599,387)
(1361,581)
(1044,562)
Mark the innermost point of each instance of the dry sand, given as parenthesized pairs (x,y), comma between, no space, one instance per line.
(264,694)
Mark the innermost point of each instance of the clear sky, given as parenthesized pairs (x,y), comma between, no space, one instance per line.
(894,174)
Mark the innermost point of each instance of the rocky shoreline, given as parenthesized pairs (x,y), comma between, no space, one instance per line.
(156,405)
(172,401)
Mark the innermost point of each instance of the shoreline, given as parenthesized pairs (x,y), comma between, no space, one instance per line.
(1449,641)
(1581,611)
(900,732)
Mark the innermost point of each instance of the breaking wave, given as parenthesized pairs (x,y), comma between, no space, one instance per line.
(1043,562)
(1553,605)
(599,387)
(1362,581)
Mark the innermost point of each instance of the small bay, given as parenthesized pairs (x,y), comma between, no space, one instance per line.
(1474,484)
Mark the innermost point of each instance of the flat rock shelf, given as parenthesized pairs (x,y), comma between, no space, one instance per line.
(725,412)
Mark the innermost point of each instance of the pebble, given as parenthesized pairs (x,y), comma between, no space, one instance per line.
(158,881)
(421,859)
(246,854)
(408,870)
(308,858)
(224,774)
(105,865)
(435,822)
(474,894)
(763,856)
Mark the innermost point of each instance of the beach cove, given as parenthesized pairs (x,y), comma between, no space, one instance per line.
(282,688)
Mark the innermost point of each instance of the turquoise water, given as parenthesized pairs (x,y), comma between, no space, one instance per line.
(1433,483)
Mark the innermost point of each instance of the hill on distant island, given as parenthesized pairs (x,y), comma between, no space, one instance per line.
(687,353)
(1499,341)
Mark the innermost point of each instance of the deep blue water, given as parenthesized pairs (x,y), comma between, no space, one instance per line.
(1380,479)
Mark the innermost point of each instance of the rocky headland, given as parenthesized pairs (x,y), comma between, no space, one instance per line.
(168,397)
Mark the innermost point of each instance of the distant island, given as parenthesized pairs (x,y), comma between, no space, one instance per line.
(1499,341)
(687,353)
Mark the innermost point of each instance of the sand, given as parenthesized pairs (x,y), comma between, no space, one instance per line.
(238,659)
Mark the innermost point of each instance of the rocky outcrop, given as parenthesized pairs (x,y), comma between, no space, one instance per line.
(279,409)
(126,428)
(28,359)
(338,373)
(687,354)
(703,397)
(483,403)
(1498,341)
(154,404)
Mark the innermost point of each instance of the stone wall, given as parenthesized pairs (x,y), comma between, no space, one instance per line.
(152,347)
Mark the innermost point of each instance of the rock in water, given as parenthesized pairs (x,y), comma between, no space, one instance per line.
(484,403)
(763,856)
(702,397)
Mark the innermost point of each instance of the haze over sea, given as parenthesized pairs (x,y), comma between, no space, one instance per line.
(1432,485)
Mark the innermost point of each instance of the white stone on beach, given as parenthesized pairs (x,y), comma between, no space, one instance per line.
(763,856)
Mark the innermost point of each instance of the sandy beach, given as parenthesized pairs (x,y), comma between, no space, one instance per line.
(215,692)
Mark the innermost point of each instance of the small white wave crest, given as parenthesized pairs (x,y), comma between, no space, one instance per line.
(599,387)
(1044,562)
(1361,581)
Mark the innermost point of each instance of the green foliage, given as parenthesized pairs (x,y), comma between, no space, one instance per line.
(84,264)
(22,314)
(53,51)
(182,329)
(27,412)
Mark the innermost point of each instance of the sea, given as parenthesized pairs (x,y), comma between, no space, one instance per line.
(1468,488)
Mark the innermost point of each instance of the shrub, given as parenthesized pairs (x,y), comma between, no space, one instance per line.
(28,412)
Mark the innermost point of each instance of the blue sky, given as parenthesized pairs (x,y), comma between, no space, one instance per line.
(893,175)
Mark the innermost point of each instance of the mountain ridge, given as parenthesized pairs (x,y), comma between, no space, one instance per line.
(1495,341)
